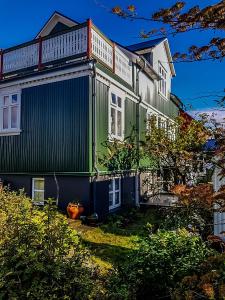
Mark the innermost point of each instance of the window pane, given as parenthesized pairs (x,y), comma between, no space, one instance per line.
(117,184)
(6,118)
(117,198)
(14,117)
(111,186)
(38,196)
(39,184)
(110,199)
(119,123)
(113,121)
(113,98)
(6,100)
(14,98)
(119,103)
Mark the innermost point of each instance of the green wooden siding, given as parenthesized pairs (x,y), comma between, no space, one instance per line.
(102,108)
(142,122)
(55,130)
(130,117)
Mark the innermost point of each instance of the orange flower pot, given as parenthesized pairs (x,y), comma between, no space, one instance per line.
(73,211)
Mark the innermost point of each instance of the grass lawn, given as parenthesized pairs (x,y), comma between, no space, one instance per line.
(110,244)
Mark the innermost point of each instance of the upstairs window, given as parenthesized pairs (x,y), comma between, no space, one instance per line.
(9,113)
(116,116)
(162,82)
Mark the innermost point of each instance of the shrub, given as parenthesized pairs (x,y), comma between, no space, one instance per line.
(40,255)
(162,260)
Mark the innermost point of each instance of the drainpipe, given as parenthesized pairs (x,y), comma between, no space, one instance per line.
(137,183)
(94,135)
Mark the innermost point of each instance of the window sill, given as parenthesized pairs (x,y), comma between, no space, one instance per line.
(114,207)
(112,138)
(163,96)
(10,132)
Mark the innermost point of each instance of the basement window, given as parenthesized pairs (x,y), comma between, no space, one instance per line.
(10,113)
(38,191)
(114,193)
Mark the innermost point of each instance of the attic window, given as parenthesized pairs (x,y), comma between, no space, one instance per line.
(163,81)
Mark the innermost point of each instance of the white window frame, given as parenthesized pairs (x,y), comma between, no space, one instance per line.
(114,191)
(119,94)
(163,86)
(10,105)
(37,190)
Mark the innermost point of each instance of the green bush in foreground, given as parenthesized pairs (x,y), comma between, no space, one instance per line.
(40,255)
(162,260)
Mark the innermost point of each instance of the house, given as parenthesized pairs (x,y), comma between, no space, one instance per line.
(66,92)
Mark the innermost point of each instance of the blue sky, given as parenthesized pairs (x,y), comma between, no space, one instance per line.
(22,20)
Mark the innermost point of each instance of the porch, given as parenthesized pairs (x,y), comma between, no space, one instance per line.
(78,43)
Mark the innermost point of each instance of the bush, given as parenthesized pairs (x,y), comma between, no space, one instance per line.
(207,283)
(40,255)
(162,260)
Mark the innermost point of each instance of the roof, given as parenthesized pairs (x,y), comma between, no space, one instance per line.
(145,45)
(55,18)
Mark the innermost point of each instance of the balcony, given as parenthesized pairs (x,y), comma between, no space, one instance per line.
(82,41)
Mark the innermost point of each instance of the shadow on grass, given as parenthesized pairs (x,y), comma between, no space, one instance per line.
(137,225)
(113,254)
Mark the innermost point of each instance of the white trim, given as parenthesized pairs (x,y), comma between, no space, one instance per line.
(34,190)
(49,78)
(114,191)
(55,18)
(107,80)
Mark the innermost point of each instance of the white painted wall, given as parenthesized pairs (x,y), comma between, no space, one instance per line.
(219,217)
(160,56)
(146,88)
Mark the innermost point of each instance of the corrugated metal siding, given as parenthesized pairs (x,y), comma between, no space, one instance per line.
(130,117)
(167,107)
(142,122)
(101,116)
(54,123)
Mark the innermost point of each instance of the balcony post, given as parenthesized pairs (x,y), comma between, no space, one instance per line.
(40,66)
(114,58)
(89,38)
(1,64)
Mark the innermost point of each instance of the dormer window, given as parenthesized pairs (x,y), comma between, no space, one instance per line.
(163,81)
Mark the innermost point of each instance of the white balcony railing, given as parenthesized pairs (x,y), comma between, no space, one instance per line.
(84,40)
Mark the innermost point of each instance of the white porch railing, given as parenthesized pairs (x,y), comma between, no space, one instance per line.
(83,40)
(122,66)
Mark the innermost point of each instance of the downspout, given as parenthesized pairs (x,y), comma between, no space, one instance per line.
(94,135)
(137,181)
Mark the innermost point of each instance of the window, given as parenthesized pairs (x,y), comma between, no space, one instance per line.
(38,191)
(116,116)
(151,120)
(114,193)
(162,82)
(9,113)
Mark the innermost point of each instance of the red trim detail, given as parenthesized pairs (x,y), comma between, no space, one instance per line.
(89,38)
(114,58)
(1,67)
(40,66)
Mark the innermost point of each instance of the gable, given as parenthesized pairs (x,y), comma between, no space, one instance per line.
(56,23)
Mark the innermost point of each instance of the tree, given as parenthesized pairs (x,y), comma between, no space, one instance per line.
(178,19)
(177,147)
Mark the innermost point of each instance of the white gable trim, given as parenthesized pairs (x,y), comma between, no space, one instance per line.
(56,17)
